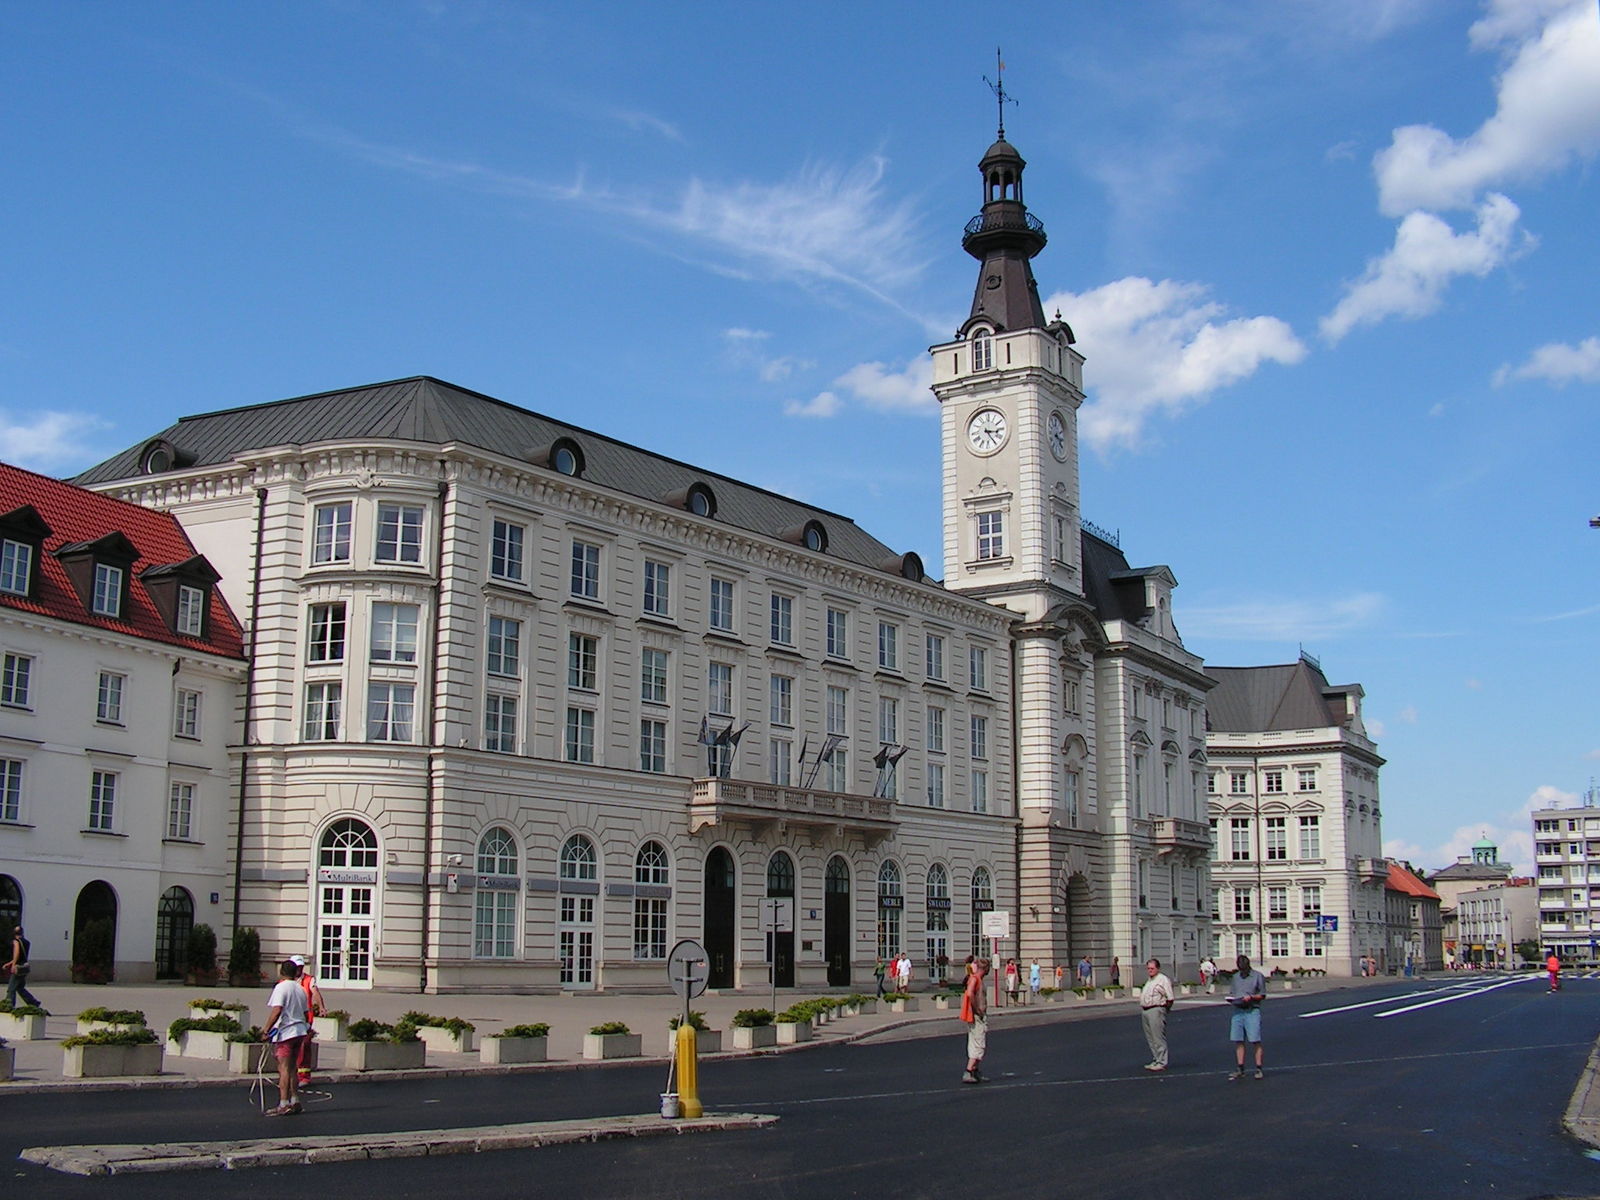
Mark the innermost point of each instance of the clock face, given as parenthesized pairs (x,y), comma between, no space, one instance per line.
(1058,436)
(986,432)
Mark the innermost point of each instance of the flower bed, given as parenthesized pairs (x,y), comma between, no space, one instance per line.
(120,1020)
(450,1035)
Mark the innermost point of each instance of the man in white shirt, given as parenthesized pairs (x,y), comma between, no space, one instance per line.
(1155,999)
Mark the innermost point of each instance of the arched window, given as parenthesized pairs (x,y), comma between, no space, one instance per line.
(577,858)
(891,903)
(938,908)
(837,879)
(982,350)
(494,906)
(174,920)
(650,896)
(780,875)
(349,844)
(578,870)
(982,902)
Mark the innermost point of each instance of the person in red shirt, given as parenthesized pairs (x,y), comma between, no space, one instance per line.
(1553,965)
(314,1006)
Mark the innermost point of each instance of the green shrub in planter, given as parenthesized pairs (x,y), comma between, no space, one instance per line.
(110,1037)
(113,1016)
(219,1005)
(255,1034)
(368,1030)
(22,1010)
(338,1014)
(610,1028)
(697,1020)
(455,1025)
(752,1018)
(244,958)
(538,1029)
(201,950)
(92,952)
(185,1025)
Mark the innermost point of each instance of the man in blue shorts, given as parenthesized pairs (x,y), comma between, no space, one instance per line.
(1245,993)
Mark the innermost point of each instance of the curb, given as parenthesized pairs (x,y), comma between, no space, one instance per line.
(310,1151)
(1582,1118)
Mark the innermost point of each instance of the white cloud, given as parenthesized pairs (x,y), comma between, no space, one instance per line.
(1558,363)
(1511,832)
(647,121)
(744,349)
(823,404)
(47,441)
(1409,280)
(1282,620)
(1437,410)
(1593,754)
(1408,714)
(1475,685)
(904,390)
(737,334)
(1547,112)
(1162,347)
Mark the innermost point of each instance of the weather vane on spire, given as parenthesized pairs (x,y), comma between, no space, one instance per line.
(998,86)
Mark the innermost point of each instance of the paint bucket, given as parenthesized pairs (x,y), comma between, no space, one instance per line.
(670,1108)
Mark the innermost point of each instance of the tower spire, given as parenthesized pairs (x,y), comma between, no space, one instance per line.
(998,87)
(1004,235)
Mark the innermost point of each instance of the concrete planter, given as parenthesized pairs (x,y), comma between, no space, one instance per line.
(1286,985)
(241,1015)
(95,1062)
(909,1004)
(613,1045)
(331,1029)
(706,1041)
(91,1026)
(385,1056)
(513,1049)
(21,1029)
(790,1032)
(1112,993)
(866,1008)
(245,1058)
(8,1062)
(754,1037)
(440,1039)
(199,1043)
(943,1001)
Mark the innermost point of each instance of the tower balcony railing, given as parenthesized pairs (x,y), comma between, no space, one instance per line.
(1005,220)
(1372,869)
(764,806)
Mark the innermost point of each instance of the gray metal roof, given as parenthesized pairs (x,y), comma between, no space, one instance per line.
(1256,699)
(427,410)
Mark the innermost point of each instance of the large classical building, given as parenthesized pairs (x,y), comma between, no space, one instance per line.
(528,703)
(1297,866)
(120,673)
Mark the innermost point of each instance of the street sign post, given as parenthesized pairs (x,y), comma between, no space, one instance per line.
(996,926)
(777,916)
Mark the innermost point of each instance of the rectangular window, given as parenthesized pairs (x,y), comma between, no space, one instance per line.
(580,735)
(1310,837)
(503,648)
(991,535)
(1069,797)
(1214,782)
(1310,903)
(505,551)
(1245,943)
(935,730)
(1277,904)
(1070,695)
(1215,844)
(657,589)
(780,761)
(839,711)
(1307,779)
(720,605)
(888,720)
(108,698)
(394,633)
(1273,782)
(180,812)
(399,533)
(583,662)
(325,632)
(652,745)
(16,567)
(782,620)
(653,676)
(980,791)
(186,713)
(1238,783)
(1241,904)
(585,582)
(935,785)
(191,613)
(1058,538)
(11,770)
(500,723)
(1277,838)
(980,737)
(107,590)
(650,919)
(781,708)
(323,702)
(837,714)
(978,668)
(102,801)
(1278,945)
(390,708)
(1239,842)
(330,533)
(888,646)
(1313,944)
(935,656)
(838,633)
(719,689)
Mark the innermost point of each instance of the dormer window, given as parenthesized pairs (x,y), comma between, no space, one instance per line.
(22,535)
(191,611)
(16,567)
(181,593)
(107,599)
(702,501)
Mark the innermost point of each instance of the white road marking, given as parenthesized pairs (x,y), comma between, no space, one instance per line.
(1395,1012)
(1328,1012)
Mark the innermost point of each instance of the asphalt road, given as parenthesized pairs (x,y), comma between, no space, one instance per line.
(1462,1097)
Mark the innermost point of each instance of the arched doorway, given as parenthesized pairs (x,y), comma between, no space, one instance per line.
(347,886)
(174,921)
(780,946)
(937,897)
(836,921)
(982,901)
(1078,918)
(94,934)
(720,917)
(580,884)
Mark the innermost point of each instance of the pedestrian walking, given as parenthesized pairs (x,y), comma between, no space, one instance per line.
(288,1024)
(314,1008)
(1208,971)
(1553,966)
(1116,971)
(1085,972)
(1034,980)
(878,972)
(1013,981)
(1245,993)
(19,968)
(975,1012)
(1060,975)
(903,974)
(1155,1001)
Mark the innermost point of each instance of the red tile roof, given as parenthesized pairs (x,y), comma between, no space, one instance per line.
(1402,880)
(75,515)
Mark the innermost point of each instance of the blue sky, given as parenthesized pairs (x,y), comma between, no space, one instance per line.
(1331,264)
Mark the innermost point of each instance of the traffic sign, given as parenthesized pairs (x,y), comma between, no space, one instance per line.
(777,914)
(688,969)
(1328,922)
(997,924)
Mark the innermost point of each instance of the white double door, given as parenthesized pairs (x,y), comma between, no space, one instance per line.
(344,935)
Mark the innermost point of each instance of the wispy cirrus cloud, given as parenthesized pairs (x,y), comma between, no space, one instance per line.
(1557,363)
(747,348)
(1282,619)
(48,441)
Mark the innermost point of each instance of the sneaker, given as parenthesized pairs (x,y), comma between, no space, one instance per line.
(1154,1067)
(1260,1074)
(969,1077)
(1236,1076)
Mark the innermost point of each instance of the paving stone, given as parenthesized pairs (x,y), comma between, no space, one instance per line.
(175,1162)
(333,1154)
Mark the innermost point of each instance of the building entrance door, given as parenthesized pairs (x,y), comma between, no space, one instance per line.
(344,936)
(836,922)
(720,918)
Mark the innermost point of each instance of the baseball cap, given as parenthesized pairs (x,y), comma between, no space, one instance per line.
(298,960)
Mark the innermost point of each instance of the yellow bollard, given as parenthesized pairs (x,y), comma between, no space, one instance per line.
(688,1074)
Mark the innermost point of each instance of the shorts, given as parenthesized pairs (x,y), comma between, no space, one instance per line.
(288,1049)
(977,1039)
(1246,1026)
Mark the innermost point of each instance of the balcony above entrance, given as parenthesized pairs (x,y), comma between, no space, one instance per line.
(763,806)
(1174,833)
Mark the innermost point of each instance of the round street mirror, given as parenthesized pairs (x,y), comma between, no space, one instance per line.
(688,968)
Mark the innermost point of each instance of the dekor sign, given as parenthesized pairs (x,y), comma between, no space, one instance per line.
(334,875)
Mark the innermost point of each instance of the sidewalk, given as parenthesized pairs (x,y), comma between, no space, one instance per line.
(569,1015)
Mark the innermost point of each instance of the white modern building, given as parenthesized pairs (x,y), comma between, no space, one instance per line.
(1493,921)
(1297,869)
(120,675)
(529,703)
(1566,852)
